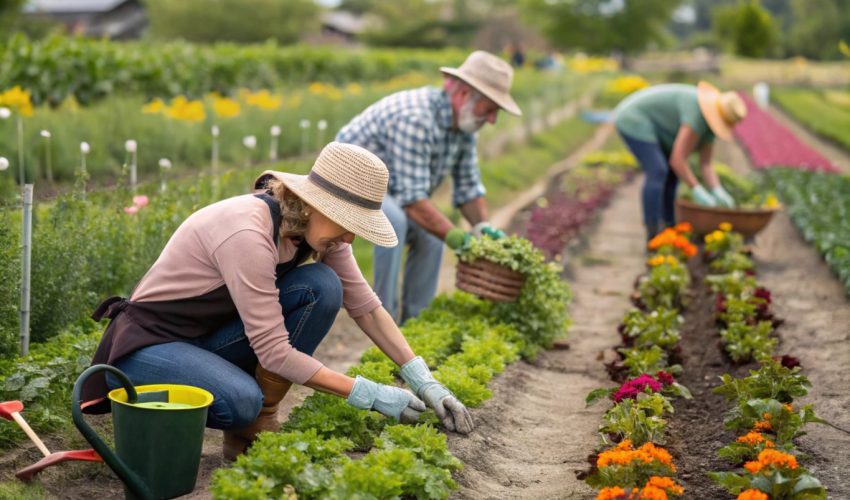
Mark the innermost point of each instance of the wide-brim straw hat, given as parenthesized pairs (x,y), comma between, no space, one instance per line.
(721,110)
(347,185)
(489,75)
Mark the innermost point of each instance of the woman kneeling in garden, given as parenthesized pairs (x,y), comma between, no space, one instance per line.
(232,306)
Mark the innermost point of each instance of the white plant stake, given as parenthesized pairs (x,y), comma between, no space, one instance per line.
(26,253)
(164,164)
(82,175)
(215,132)
(132,151)
(5,113)
(275,133)
(305,135)
(48,156)
(321,125)
(250,143)
(4,163)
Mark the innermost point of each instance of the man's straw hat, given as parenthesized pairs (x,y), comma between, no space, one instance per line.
(347,184)
(489,75)
(721,110)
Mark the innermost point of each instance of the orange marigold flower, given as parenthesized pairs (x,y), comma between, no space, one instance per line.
(684,227)
(611,493)
(751,438)
(752,495)
(625,444)
(778,458)
(762,425)
(753,467)
(665,483)
(653,493)
(788,407)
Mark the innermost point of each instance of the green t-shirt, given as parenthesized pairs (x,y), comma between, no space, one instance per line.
(655,114)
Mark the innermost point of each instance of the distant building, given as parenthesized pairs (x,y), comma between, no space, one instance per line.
(340,27)
(116,19)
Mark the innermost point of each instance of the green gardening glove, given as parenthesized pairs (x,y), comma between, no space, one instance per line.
(485,229)
(457,239)
(724,199)
(703,197)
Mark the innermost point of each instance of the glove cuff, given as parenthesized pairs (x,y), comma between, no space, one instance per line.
(363,393)
(416,373)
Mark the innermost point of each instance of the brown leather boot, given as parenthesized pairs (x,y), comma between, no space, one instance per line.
(274,389)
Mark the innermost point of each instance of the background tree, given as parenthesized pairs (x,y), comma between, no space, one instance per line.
(232,20)
(601,26)
(747,28)
(817,28)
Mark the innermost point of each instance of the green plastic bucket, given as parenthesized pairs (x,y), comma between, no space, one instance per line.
(159,433)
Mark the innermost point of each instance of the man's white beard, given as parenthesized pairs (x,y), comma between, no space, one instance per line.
(467,121)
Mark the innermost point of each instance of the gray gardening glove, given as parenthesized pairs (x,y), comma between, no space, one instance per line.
(451,412)
(388,400)
(724,199)
(703,197)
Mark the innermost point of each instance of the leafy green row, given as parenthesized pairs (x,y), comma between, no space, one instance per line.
(763,413)
(465,340)
(57,67)
(819,205)
(742,307)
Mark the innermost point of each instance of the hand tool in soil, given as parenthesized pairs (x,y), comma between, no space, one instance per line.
(11,410)
(159,433)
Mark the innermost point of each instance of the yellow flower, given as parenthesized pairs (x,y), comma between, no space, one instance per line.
(183,109)
(154,107)
(225,107)
(725,227)
(262,99)
(18,99)
(354,88)
(771,201)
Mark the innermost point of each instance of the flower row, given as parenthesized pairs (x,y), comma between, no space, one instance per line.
(764,414)
(637,467)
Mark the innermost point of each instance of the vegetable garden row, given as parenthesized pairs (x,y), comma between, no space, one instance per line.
(763,456)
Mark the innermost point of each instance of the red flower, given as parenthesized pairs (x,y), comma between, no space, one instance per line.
(635,386)
(665,378)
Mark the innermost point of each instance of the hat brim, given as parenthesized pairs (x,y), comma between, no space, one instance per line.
(502,99)
(707,97)
(371,225)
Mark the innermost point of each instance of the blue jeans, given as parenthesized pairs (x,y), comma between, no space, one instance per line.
(224,362)
(421,270)
(659,187)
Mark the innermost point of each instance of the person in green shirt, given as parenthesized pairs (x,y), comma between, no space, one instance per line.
(662,126)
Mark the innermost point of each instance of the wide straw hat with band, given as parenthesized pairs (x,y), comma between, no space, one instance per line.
(721,110)
(347,184)
(489,75)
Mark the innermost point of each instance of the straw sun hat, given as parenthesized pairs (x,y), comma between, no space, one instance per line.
(489,75)
(721,110)
(347,185)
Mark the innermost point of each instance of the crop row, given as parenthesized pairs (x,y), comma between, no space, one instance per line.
(764,414)
(635,465)
(770,144)
(251,125)
(819,205)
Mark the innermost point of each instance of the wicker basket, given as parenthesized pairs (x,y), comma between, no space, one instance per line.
(489,280)
(706,219)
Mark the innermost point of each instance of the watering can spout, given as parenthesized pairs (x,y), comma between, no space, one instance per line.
(159,432)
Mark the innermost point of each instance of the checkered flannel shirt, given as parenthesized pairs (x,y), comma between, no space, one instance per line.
(411,131)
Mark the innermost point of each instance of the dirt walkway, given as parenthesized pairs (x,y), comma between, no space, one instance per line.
(535,433)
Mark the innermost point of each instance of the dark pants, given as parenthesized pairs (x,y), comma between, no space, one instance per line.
(224,362)
(659,188)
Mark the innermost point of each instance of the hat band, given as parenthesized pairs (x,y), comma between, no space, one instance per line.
(343,193)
